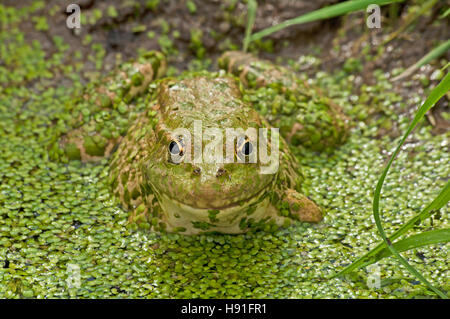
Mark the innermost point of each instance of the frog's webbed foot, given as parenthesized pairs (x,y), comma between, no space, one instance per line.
(94,122)
(303,114)
(301,207)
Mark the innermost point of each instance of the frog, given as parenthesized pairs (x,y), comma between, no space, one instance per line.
(129,117)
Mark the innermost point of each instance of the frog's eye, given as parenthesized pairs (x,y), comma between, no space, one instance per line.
(176,150)
(244,147)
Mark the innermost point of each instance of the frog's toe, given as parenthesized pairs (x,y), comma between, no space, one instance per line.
(302,208)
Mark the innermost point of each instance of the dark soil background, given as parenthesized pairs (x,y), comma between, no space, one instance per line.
(222,24)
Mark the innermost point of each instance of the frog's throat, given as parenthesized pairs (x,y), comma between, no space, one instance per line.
(226,219)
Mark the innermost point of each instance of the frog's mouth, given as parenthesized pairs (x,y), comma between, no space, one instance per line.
(212,199)
(241,203)
(225,218)
(207,202)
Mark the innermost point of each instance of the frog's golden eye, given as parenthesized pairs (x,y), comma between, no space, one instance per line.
(176,150)
(244,147)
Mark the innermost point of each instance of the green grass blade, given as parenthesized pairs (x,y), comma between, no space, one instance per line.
(415,241)
(433,54)
(434,96)
(445,14)
(252,6)
(444,196)
(369,258)
(323,13)
(427,6)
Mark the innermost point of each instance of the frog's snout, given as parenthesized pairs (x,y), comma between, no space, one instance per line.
(221,171)
(196,170)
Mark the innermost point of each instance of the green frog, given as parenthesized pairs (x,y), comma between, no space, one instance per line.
(131,117)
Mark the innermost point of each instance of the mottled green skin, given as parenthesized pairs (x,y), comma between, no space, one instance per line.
(304,115)
(193,198)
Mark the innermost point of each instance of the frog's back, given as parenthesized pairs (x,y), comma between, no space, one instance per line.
(215,100)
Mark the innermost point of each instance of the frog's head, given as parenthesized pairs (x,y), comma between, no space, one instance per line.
(206,104)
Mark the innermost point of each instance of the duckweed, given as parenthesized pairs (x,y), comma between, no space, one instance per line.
(56,215)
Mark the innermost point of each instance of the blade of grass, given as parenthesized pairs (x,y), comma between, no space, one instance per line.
(410,18)
(433,54)
(252,6)
(442,198)
(445,14)
(323,13)
(393,13)
(434,96)
(412,242)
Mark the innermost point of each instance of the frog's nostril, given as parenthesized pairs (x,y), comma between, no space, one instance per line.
(197,170)
(221,171)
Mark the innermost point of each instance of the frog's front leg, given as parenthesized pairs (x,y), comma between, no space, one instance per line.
(288,200)
(95,121)
(301,207)
(289,205)
(301,112)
